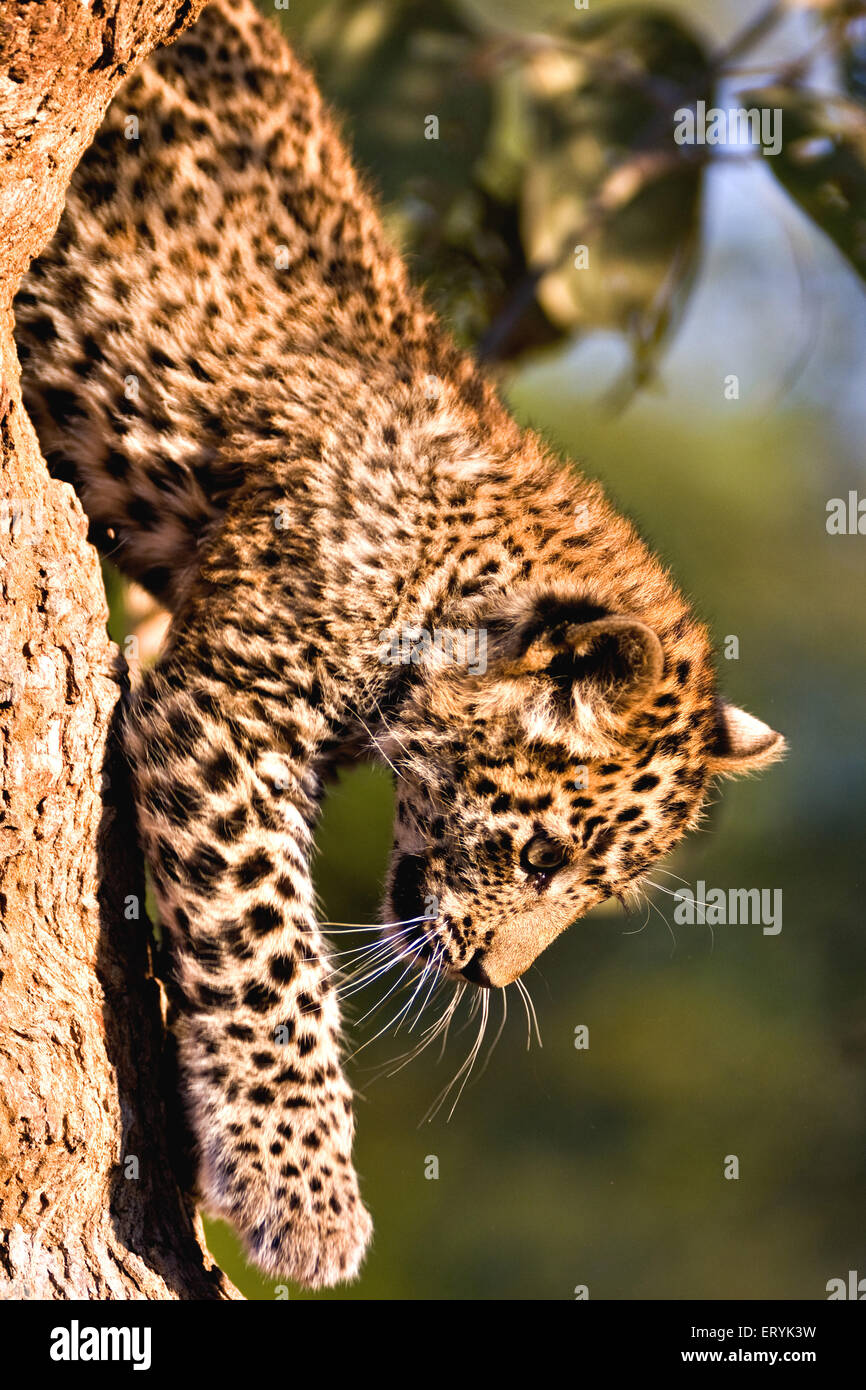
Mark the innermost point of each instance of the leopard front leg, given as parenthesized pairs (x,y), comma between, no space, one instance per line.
(227,828)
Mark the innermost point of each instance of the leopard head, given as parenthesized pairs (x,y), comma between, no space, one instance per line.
(531,790)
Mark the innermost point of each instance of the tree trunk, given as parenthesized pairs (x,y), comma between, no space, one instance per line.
(92,1203)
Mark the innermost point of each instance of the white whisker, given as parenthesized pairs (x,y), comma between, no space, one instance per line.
(418,987)
(389,964)
(465,1070)
(530,1007)
(367,926)
(378,1006)
(428,1036)
(437,958)
(492,1048)
(364,950)
(660,887)
(638,930)
(657,910)
(375,742)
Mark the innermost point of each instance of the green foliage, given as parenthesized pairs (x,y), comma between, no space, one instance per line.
(561,138)
(608,175)
(822,164)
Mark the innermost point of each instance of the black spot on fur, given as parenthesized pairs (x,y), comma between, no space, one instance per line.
(260,998)
(62,405)
(282,968)
(221,771)
(240,1031)
(261,1095)
(645,783)
(263,919)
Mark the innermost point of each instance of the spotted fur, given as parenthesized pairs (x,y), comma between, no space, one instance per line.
(269,430)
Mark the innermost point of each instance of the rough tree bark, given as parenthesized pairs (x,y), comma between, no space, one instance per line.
(80,1022)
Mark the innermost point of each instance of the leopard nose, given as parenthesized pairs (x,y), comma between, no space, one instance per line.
(474,971)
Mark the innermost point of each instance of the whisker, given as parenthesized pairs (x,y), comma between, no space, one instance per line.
(357,984)
(531,1009)
(427,1037)
(465,1070)
(528,1019)
(380,952)
(657,869)
(382,969)
(375,743)
(418,987)
(460,991)
(638,930)
(368,926)
(662,889)
(436,980)
(378,1006)
(388,948)
(396,1019)
(363,950)
(492,1048)
(656,909)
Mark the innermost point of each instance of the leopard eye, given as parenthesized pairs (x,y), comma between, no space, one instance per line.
(542,855)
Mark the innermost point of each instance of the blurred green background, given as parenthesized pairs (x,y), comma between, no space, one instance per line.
(605,1167)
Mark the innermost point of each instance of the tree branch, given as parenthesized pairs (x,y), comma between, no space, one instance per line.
(92,1201)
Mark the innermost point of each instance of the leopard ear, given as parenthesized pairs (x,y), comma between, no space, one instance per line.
(742,743)
(610,662)
(595,665)
(587,668)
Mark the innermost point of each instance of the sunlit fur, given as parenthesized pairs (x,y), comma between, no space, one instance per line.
(269,429)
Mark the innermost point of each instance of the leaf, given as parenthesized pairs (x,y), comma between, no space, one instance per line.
(822,163)
(609,178)
(853,56)
(395,63)
(395,66)
(537,133)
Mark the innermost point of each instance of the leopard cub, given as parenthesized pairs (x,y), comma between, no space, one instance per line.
(269,430)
